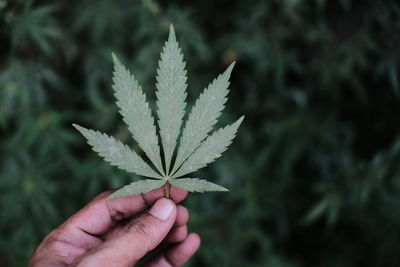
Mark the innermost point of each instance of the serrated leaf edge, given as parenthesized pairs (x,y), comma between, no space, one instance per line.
(201,183)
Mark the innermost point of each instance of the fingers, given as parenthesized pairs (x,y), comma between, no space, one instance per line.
(177,254)
(102,214)
(140,236)
(179,232)
(182,217)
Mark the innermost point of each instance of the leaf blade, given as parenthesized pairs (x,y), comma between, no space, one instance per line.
(171,94)
(116,153)
(139,187)
(210,149)
(136,112)
(197,185)
(203,116)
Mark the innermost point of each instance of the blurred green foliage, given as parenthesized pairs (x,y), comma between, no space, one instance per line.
(314,172)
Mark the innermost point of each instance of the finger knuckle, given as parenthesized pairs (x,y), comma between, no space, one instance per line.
(53,237)
(117,215)
(137,227)
(183,213)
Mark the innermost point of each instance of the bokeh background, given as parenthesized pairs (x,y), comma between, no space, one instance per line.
(314,172)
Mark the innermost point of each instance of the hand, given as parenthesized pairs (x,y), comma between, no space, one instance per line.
(119,232)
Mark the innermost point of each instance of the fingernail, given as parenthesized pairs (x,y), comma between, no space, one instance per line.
(162,209)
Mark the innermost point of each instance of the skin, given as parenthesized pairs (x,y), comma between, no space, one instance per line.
(119,232)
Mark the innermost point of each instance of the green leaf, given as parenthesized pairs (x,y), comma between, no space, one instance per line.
(171,95)
(203,116)
(210,149)
(196,149)
(196,185)
(139,187)
(136,112)
(116,153)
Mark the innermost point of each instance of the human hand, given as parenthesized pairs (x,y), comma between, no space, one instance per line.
(120,231)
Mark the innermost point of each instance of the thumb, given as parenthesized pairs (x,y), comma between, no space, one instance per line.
(137,238)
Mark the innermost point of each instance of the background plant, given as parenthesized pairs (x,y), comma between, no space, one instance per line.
(314,172)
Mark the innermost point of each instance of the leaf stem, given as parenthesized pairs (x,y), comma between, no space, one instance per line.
(167,189)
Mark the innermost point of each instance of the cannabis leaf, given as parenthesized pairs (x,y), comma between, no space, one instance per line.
(197,147)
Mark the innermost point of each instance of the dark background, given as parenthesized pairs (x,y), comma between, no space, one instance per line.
(314,172)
